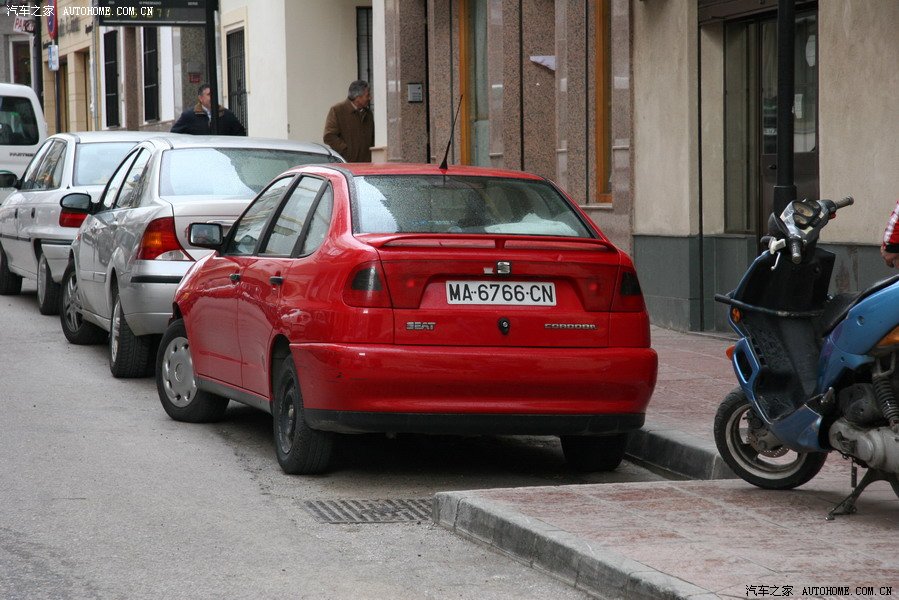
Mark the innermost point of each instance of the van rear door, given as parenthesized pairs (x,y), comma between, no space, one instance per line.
(22,127)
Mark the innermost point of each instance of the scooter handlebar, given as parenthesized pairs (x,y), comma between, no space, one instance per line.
(796,250)
(848,200)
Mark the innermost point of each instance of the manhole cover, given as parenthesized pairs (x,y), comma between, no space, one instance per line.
(370,511)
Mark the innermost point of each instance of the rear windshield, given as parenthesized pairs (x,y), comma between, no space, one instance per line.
(95,162)
(456,204)
(18,125)
(236,172)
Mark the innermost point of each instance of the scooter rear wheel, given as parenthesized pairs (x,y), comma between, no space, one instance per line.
(771,468)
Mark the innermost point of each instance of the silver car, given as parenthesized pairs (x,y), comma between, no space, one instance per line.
(34,233)
(132,250)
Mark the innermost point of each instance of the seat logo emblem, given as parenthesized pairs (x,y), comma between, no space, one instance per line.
(503,267)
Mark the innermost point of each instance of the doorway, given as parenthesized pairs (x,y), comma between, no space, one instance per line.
(750,82)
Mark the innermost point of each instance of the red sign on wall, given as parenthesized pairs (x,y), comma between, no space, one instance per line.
(52,29)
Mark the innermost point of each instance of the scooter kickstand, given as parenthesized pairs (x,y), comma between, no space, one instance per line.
(847,506)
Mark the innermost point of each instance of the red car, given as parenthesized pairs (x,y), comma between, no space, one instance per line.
(406,298)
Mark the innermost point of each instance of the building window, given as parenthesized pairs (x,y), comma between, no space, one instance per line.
(237,76)
(21,63)
(603,74)
(151,74)
(111,77)
(363,42)
(475,112)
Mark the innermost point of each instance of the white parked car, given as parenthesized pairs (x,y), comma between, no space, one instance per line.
(34,232)
(132,250)
(22,127)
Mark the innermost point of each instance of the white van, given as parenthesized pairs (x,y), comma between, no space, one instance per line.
(22,127)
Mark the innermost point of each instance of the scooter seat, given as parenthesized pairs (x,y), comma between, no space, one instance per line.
(839,306)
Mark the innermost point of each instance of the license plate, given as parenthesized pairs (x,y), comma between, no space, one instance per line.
(519,293)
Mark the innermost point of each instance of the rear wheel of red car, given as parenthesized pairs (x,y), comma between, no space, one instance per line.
(76,329)
(47,289)
(587,453)
(129,354)
(176,384)
(300,449)
(10,283)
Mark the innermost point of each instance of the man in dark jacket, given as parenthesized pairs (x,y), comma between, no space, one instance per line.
(350,126)
(197,120)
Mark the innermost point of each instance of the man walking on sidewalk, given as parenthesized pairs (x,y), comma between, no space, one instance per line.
(197,120)
(350,126)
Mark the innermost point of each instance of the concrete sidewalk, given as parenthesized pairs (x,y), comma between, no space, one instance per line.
(715,537)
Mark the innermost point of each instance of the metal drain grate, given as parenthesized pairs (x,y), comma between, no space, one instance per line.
(370,511)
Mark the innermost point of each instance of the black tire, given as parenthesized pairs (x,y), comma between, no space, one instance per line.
(774,468)
(10,283)
(129,355)
(76,329)
(175,382)
(47,289)
(300,449)
(590,453)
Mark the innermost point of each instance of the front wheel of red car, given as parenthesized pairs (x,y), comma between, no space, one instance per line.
(176,384)
(300,449)
(588,453)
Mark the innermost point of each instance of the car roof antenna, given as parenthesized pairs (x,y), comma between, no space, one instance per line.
(443,165)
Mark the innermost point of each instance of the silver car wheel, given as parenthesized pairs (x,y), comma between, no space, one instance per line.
(115,329)
(42,269)
(70,305)
(177,372)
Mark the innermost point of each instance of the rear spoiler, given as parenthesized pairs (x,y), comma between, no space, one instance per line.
(489,241)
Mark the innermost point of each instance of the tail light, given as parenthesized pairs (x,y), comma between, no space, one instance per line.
(160,242)
(366,287)
(71,218)
(628,296)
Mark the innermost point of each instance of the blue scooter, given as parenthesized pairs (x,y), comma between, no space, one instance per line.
(817,372)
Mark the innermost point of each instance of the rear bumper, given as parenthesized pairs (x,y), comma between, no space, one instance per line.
(147,294)
(546,391)
(472,424)
(57,253)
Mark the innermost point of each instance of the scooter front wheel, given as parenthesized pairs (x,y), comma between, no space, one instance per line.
(746,446)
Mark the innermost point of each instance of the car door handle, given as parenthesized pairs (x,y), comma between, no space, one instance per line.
(276,280)
(235,277)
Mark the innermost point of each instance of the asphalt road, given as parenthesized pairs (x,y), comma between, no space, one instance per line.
(103,496)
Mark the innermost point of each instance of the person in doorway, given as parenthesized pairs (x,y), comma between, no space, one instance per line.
(889,247)
(198,120)
(350,126)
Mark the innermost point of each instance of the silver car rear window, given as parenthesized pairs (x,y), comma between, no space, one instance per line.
(236,172)
(18,125)
(462,204)
(95,162)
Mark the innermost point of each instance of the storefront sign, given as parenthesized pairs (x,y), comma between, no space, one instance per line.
(139,13)
(23,25)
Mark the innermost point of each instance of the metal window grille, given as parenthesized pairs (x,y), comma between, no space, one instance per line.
(151,74)
(364,42)
(111,77)
(237,77)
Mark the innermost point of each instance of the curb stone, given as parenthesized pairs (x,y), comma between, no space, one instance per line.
(679,453)
(595,570)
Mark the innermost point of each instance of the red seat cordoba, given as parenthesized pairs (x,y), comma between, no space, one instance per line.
(406,298)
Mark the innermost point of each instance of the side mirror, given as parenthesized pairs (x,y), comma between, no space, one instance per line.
(205,235)
(76,201)
(8,179)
